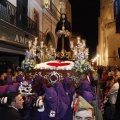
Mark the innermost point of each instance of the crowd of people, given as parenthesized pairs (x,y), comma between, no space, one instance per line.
(61,101)
(109,83)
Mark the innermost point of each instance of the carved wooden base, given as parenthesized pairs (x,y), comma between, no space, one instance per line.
(51,76)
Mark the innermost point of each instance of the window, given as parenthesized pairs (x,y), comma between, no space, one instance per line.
(116,8)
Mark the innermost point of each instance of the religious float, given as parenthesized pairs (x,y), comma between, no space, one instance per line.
(55,70)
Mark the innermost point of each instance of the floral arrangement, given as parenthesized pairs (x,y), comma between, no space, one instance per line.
(29,62)
(82,65)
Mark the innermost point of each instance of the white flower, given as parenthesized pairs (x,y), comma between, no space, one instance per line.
(28,64)
(82,65)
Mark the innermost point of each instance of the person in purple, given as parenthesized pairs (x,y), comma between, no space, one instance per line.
(37,84)
(61,93)
(87,89)
(36,115)
(68,88)
(55,107)
(70,92)
(19,78)
(9,81)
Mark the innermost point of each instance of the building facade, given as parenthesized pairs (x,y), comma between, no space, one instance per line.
(24,20)
(108,33)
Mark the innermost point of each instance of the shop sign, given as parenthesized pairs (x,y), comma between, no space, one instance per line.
(9,35)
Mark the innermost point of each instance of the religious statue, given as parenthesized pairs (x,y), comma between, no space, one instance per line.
(63,30)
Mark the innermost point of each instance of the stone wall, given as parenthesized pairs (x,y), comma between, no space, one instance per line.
(108,40)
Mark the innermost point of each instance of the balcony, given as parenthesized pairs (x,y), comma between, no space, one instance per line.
(52,8)
(10,14)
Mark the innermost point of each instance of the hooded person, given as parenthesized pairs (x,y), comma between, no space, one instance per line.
(19,78)
(68,88)
(61,93)
(55,107)
(70,92)
(9,81)
(37,84)
(11,88)
(88,91)
(43,89)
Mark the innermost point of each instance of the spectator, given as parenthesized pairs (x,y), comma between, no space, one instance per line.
(112,95)
(15,102)
(96,77)
(117,105)
(2,80)
(84,110)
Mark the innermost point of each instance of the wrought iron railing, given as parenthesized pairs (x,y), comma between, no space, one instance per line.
(10,14)
(7,11)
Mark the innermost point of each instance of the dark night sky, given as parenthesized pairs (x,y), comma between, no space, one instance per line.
(85,15)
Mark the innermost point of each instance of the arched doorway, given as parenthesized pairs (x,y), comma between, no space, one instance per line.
(50,40)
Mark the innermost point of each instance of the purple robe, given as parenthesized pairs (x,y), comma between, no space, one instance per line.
(86,86)
(9,81)
(55,104)
(88,91)
(88,96)
(37,80)
(43,89)
(19,78)
(68,88)
(3,89)
(27,109)
(70,91)
(11,88)
(61,93)
(37,83)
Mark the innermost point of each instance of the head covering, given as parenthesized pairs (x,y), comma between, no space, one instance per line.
(19,78)
(11,88)
(86,86)
(66,83)
(81,103)
(54,103)
(9,81)
(3,89)
(37,80)
(67,87)
(44,87)
(37,83)
(61,93)
(42,90)
(70,91)
(88,96)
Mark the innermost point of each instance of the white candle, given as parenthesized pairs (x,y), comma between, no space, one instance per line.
(41,44)
(71,44)
(83,43)
(29,43)
(78,40)
(35,42)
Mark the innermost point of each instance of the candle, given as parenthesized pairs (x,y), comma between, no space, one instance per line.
(71,44)
(35,42)
(41,44)
(78,40)
(29,44)
(83,43)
